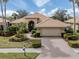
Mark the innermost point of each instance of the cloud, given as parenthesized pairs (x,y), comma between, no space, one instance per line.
(70,11)
(42,10)
(52,12)
(9,12)
(32,12)
(40,3)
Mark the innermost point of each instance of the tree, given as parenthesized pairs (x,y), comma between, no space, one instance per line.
(19,14)
(15,16)
(22,13)
(76,1)
(61,15)
(10,18)
(73,2)
(5,2)
(3,10)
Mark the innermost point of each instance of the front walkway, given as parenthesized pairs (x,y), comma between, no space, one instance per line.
(20,50)
(56,48)
(29,35)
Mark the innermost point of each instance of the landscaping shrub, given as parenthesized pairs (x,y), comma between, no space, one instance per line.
(1,33)
(33,31)
(73,44)
(12,28)
(73,37)
(62,35)
(66,35)
(36,43)
(69,30)
(23,30)
(18,38)
(37,34)
(19,35)
(78,31)
(34,34)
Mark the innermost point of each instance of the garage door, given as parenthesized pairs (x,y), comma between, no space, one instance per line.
(51,32)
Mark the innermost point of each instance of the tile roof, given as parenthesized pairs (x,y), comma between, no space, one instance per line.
(72,20)
(35,15)
(1,21)
(52,23)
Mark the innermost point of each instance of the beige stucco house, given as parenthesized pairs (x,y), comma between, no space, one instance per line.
(31,19)
(46,25)
(71,22)
(51,27)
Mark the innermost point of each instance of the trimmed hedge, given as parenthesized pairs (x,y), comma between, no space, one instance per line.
(36,43)
(66,35)
(37,34)
(73,44)
(71,36)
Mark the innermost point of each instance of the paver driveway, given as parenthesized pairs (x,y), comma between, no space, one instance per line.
(56,48)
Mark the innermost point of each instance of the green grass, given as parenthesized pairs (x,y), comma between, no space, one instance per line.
(18,56)
(5,43)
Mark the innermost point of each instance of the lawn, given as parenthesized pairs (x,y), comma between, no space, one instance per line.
(18,55)
(5,43)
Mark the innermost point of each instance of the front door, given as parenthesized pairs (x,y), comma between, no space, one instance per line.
(31,25)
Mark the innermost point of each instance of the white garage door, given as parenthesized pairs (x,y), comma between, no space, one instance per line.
(50,32)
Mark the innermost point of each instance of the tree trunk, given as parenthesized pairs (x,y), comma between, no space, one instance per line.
(74,16)
(2,9)
(5,25)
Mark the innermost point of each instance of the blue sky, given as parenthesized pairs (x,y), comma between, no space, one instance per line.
(47,7)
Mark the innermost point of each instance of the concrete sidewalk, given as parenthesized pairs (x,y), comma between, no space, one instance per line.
(19,50)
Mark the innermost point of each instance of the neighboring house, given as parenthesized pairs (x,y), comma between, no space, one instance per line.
(51,27)
(2,24)
(71,22)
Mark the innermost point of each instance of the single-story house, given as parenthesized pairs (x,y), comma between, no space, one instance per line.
(71,22)
(47,26)
(51,27)
(36,18)
(31,19)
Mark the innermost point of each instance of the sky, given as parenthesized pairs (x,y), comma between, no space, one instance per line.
(46,7)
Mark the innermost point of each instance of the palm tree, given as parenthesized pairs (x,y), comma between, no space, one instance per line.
(1,8)
(74,1)
(5,2)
